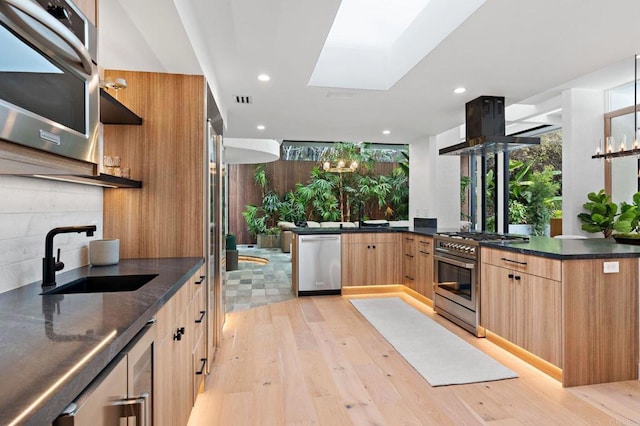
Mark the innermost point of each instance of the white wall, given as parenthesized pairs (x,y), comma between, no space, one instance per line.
(582,128)
(29,208)
(434,181)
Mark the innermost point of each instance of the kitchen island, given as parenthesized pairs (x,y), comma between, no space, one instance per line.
(569,307)
(52,347)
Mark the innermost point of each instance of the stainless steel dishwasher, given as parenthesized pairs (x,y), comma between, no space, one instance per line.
(319,264)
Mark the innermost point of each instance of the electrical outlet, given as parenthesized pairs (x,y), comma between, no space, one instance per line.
(611,267)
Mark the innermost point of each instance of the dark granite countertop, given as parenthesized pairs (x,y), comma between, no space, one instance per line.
(591,248)
(44,338)
(364,230)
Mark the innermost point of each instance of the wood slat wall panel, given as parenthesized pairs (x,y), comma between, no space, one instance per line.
(164,218)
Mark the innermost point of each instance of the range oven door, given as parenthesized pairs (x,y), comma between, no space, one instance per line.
(49,84)
(455,279)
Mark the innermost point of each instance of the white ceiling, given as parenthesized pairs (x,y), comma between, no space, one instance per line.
(526,51)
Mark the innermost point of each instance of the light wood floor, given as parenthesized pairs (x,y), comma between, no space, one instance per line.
(316,361)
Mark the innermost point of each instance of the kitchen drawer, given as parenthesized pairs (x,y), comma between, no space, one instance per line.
(199,367)
(534,265)
(371,237)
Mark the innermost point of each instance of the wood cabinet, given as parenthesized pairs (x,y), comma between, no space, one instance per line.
(524,309)
(567,312)
(371,259)
(409,261)
(181,338)
(424,266)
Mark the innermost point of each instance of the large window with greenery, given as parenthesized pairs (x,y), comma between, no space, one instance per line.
(535,186)
(332,194)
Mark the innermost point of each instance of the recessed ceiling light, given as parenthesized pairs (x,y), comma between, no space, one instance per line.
(459,90)
(264,77)
(386,132)
(260,127)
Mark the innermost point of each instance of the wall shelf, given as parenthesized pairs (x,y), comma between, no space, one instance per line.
(104,180)
(112,111)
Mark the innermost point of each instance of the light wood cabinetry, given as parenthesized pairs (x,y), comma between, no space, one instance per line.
(168,154)
(409,261)
(569,313)
(180,341)
(524,309)
(424,266)
(371,259)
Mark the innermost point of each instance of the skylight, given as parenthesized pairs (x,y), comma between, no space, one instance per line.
(374,43)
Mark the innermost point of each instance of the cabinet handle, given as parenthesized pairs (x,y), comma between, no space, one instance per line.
(202,314)
(510,276)
(517,277)
(424,242)
(368,247)
(409,278)
(374,246)
(423,252)
(514,261)
(202,277)
(409,255)
(179,333)
(135,407)
(204,364)
(408,239)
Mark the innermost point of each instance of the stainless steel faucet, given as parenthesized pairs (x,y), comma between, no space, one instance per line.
(49,263)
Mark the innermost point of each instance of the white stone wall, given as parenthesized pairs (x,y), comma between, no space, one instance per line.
(29,208)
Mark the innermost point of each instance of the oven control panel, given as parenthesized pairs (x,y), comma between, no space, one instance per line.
(466,249)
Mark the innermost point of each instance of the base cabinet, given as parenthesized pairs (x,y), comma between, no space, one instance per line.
(424,266)
(524,309)
(371,259)
(567,312)
(181,322)
(409,261)
(123,393)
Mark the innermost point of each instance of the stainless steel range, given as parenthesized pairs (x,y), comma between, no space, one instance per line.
(457,275)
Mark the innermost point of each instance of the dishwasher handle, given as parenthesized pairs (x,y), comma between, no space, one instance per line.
(312,238)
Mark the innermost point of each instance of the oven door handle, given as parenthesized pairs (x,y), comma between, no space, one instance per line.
(37,13)
(455,262)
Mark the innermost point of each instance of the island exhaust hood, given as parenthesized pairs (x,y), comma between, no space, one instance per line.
(485,130)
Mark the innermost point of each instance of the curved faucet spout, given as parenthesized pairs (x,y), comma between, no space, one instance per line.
(49,263)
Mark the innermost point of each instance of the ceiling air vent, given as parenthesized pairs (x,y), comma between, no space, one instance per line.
(243,99)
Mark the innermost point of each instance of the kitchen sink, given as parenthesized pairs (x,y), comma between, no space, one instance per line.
(102,284)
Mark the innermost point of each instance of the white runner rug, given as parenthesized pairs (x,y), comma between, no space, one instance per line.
(440,356)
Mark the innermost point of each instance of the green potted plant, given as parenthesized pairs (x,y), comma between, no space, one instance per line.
(602,215)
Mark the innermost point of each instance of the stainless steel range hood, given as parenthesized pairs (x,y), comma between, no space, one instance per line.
(485,130)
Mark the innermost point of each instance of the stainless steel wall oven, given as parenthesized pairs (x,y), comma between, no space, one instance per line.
(49,85)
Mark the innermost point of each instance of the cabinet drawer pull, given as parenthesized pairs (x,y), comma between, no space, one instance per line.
(518,277)
(424,242)
(408,239)
(179,333)
(423,252)
(202,277)
(409,278)
(510,276)
(409,255)
(514,261)
(202,314)
(204,364)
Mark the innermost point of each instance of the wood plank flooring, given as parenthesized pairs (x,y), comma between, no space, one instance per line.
(317,361)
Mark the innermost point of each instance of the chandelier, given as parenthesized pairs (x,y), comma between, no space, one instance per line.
(340,166)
